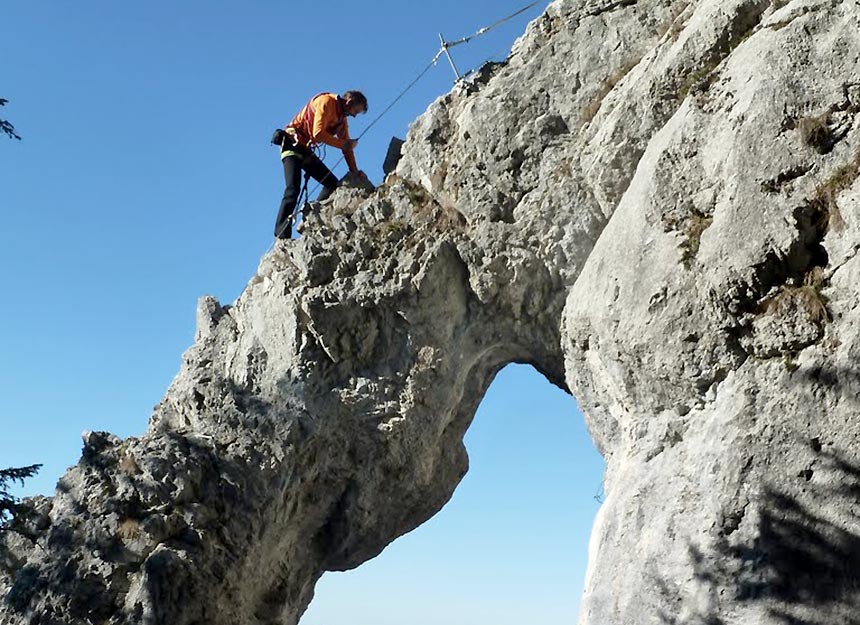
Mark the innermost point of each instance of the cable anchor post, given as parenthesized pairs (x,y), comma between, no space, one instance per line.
(448,54)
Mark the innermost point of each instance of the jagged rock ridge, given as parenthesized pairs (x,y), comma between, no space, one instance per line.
(652,202)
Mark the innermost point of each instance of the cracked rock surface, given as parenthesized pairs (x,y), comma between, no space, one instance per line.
(655,204)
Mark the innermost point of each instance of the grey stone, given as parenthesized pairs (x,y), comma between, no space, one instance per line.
(638,204)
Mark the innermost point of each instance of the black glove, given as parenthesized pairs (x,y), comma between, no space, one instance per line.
(278,137)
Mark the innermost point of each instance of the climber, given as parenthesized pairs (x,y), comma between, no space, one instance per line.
(322,120)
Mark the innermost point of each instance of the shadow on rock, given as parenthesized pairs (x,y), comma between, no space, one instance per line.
(801,563)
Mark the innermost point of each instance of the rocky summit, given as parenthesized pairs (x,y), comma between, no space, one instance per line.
(655,203)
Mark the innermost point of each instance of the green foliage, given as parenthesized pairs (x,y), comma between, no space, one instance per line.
(824,200)
(673,25)
(701,80)
(815,132)
(416,193)
(843,177)
(695,227)
(6,127)
(14,513)
(791,365)
(807,297)
(11,508)
(590,109)
(393,228)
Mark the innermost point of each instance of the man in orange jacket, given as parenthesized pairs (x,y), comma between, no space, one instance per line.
(322,120)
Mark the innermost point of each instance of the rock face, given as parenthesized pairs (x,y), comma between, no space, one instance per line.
(654,203)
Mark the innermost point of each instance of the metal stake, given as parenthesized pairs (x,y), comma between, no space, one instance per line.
(448,54)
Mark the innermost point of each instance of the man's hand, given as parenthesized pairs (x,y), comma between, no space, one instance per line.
(361,175)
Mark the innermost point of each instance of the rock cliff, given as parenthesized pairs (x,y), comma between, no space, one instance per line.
(655,204)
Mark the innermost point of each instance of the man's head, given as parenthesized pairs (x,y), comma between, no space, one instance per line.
(354,103)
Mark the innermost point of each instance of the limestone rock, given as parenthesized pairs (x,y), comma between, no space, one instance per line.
(656,204)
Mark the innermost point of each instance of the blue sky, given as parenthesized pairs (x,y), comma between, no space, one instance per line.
(145,180)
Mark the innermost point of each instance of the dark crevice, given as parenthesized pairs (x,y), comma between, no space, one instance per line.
(786,291)
(331,537)
(776,184)
(824,131)
(800,270)
(744,24)
(794,266)
(608,7)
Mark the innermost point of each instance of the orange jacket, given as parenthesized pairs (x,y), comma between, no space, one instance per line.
(323,120)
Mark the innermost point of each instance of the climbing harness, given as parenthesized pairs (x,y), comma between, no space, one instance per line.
(445,47)
(301,202)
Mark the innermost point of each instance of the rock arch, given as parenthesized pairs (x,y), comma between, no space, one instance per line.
(632,205)
(511,542)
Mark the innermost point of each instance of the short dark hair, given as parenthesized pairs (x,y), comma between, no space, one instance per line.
(356,96)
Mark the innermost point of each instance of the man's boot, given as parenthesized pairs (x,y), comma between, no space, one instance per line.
(325,193)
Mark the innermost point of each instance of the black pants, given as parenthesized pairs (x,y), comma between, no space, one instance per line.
(293,167)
